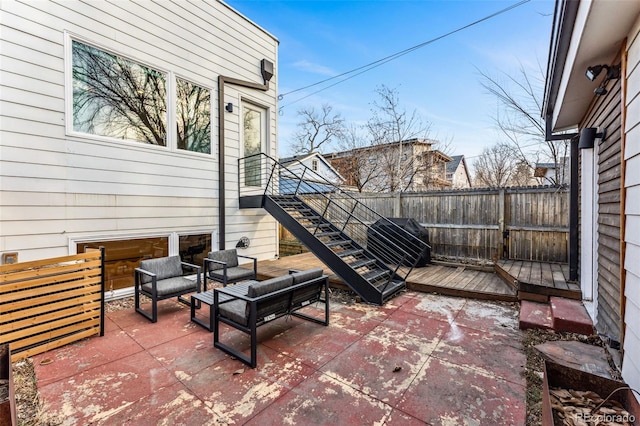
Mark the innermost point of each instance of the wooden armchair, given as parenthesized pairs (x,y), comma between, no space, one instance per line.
(222,266)
(162,278)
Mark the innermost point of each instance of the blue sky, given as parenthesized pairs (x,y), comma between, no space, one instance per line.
(320,39)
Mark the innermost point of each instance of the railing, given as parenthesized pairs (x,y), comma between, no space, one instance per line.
(382,237)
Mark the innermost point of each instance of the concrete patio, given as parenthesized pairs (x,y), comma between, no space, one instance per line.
(421,358)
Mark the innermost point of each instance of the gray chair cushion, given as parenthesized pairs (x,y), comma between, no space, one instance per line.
(235,310)
(230,257)
(163,267)
(172,285)
(234,274)
(269,286)
(309,274)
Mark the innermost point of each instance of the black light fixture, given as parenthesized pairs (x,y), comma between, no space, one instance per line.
(229,107)
(266,69)
(594,71)
(588,137)
(613,72)
(244,242)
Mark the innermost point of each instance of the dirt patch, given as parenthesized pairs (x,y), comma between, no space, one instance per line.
(535,365)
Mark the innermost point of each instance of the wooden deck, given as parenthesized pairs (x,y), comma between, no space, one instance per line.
(538,280)
(462,281)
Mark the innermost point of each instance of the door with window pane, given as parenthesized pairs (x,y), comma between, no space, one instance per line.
(253,143)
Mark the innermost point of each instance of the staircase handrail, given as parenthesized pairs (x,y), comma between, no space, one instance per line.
(294,176)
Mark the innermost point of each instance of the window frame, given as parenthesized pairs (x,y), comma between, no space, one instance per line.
(171,101)
(264,131)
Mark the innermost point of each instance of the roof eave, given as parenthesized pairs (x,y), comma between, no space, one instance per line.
(586,33)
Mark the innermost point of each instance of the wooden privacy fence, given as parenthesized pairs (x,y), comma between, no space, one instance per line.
(523,223)
(45,304)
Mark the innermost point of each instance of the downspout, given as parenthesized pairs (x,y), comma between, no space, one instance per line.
(623,199)
(266,69)
(566,11)
(573,213)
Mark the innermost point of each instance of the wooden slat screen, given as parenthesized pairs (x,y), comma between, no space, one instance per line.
(45,304)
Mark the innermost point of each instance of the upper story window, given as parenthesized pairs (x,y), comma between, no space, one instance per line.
(193,117)
(118,98)
(314,165)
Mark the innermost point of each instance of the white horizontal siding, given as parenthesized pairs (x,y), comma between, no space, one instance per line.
(55,187)
(631,363)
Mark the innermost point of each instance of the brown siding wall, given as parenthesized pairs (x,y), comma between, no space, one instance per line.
(606,114)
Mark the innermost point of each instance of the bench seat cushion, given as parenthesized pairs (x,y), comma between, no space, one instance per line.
(235,310)
(306,275)
(173,285)
(235,273)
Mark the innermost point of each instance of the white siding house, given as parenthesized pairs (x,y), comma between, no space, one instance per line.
(604,36)
(315,165)
(76,170)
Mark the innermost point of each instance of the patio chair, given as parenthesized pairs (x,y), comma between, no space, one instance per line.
(222,266)
(162,278)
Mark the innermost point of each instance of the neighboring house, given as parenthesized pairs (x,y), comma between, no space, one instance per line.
(553,173)
(112,133)
(599,112)
(313,168)
(458,173)
(409,165)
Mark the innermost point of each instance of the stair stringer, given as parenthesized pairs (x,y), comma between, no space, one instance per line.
(367,291)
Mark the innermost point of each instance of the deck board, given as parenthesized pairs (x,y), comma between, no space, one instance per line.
(542,278)
(459,281)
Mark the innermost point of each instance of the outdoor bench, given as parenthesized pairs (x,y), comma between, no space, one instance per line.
(250,304)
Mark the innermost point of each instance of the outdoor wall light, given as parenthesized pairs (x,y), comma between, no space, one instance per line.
(594,71)
(613,72)
(588,137)
(244,242)
(229,107)
(266,69)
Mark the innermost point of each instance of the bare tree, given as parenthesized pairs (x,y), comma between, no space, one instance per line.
(317,128)
(353,166)
(496,166)
(389,127)
(519,119)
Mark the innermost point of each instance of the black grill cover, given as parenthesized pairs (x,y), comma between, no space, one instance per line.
(379,247)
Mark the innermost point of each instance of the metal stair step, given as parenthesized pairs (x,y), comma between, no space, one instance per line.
(328,234)
(361,263)
(376,274)
(336,243)
(352,252)
(318,225)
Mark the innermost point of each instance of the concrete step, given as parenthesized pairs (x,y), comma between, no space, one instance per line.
(559,314)
(535,315)
(570,315)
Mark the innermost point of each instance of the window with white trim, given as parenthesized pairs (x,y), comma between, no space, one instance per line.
(253,142)
(119,98)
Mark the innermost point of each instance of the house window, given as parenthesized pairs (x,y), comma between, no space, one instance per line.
(121,257)
(193,117)
(118,98)
(194,248)
(253,141)
(314,165)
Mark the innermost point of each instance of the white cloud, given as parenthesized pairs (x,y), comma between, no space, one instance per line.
(313,68)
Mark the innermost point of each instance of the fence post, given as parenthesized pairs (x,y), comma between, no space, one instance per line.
(501,228)
(398,204)
(7,398)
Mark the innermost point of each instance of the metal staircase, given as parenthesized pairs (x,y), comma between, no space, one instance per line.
(373,261)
